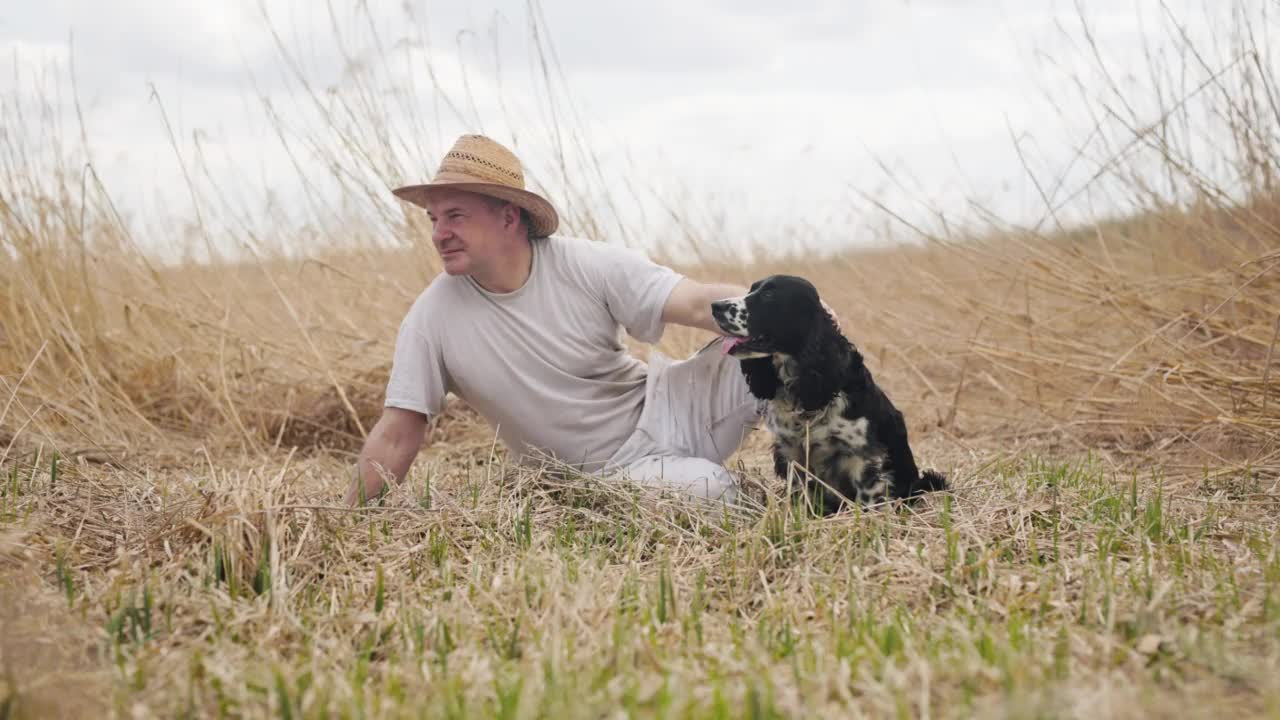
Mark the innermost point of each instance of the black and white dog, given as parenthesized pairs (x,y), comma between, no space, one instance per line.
(826,412)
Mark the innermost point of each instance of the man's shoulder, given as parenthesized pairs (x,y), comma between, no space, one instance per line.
(568,256)
(569,245)
(589,252)
(442,292)
(441,288)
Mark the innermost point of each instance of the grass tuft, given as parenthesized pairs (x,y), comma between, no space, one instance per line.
(175,440)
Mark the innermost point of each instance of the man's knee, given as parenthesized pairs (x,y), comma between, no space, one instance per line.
(711,481)
(695,476)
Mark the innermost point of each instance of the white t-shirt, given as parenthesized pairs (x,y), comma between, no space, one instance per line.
(545,364)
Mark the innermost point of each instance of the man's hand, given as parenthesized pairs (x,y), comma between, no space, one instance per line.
(690,304)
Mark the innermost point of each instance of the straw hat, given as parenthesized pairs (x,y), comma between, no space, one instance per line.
(480,165)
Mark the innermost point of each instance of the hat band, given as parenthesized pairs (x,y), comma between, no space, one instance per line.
(468,164)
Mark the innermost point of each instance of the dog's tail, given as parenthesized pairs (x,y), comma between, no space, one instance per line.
(931,481)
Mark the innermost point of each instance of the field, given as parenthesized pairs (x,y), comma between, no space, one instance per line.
(175,440)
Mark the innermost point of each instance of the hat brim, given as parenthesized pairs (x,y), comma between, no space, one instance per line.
(543,218)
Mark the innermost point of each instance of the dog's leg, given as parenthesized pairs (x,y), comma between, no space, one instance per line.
(908,482)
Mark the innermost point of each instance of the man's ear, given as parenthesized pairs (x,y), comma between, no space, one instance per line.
(511,214)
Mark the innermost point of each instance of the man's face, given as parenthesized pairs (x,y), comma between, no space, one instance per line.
(467,229)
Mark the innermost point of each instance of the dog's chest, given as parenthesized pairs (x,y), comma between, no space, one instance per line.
(812,437)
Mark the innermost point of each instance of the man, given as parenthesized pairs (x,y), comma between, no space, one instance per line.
(524,325)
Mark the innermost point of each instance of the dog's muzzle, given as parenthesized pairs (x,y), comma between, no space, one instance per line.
(731,315)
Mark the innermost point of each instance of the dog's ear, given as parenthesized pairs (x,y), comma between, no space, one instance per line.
(824,364)
(762,378)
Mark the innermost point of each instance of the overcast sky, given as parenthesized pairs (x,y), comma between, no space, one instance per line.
(776,114)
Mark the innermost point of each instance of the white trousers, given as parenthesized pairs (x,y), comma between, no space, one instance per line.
(696,413)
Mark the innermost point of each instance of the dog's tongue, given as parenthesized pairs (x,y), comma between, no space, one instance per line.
(730,343)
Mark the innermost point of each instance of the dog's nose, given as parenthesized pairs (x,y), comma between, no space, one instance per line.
(718,307)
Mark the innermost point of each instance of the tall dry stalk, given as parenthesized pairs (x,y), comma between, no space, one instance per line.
(1134,332)
(175,435)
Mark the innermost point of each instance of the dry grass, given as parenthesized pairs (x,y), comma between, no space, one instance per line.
(174,441)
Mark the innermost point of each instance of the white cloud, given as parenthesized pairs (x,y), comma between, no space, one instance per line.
(777,108)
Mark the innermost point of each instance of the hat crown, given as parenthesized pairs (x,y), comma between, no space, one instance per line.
(484,159)
(479,164)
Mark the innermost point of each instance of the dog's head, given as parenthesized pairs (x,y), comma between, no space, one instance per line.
(776,316)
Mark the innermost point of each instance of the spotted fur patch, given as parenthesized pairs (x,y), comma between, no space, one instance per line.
(734,319)
(827,414)
(825,438)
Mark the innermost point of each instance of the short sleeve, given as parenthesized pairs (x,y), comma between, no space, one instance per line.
(418,379)
(635,289)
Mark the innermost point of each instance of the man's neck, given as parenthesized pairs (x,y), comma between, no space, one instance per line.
(510,273)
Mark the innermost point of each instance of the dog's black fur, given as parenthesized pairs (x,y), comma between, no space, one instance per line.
(826,412)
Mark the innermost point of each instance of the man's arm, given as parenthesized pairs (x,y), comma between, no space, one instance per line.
(390,448)
(690,303)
